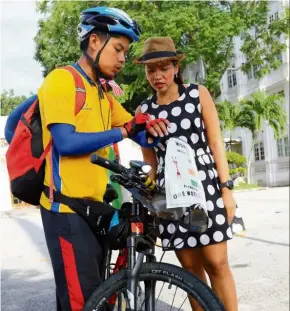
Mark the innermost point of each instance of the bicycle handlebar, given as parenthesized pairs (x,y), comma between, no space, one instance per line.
(129,178)
(112,166)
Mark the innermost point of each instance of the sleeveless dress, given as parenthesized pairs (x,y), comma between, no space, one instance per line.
(186,122)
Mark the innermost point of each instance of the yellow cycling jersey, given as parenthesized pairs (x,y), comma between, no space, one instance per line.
(75,176)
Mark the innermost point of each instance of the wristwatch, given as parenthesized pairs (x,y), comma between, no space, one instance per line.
(228,184)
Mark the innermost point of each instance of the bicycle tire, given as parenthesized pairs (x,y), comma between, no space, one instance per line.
(156,272)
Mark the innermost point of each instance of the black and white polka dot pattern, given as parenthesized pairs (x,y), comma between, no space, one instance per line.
(186,122)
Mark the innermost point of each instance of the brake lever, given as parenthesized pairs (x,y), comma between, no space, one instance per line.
(120,179)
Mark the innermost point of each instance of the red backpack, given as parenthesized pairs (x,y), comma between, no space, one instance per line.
(26,156)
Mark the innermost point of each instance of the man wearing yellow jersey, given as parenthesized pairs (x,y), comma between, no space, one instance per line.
(75,251)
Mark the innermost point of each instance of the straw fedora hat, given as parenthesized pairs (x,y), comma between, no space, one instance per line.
(159,49)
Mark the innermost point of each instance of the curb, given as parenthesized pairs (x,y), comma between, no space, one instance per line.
(251,190)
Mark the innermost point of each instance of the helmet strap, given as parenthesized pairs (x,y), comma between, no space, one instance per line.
(95,64)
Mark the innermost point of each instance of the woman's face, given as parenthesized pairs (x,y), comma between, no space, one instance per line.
(161,75)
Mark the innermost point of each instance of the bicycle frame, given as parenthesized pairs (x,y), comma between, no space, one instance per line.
(131,259)
(135,265)
(137,223)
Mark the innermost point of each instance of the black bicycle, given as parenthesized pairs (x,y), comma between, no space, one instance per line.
(138,282)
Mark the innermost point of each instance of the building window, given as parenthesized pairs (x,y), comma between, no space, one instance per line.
(232,78)
(273,17)
(252,73)
(259,151)
(280,57)
(283,147)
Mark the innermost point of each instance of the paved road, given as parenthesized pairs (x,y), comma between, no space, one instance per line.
(259,259)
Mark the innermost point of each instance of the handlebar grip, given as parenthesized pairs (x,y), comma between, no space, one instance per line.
(112,166)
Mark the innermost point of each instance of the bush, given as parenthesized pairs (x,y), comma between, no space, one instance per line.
(236,158)
(240,171)
(236,164)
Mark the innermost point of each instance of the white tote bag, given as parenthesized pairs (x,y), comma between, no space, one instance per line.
(182,184)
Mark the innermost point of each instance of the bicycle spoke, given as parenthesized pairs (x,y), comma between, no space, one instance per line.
(182,304)
(143,303)
(125,294)
(145,297)
(173,299)
(160,292)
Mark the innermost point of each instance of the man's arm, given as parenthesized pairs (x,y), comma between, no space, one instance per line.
(68,142)
(57,101)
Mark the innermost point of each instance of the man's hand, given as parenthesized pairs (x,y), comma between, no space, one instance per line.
(154,128)
(137,124)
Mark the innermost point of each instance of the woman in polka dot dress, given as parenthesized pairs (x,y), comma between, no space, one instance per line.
(193,118)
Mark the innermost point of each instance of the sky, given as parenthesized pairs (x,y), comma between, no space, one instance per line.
(19,71)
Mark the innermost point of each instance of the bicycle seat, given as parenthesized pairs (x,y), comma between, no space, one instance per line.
(110,194)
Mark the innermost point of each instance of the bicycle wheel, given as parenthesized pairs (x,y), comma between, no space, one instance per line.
(162,274)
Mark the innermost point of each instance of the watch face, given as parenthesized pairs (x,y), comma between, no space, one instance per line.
(230,184)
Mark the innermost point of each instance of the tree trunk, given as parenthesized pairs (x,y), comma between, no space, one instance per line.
(250,157)
(249,164)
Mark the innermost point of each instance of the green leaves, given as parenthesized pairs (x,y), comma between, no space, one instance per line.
(251,112)
(236,158)
(9,101)
(262,47)
(268,108)
(236,163)
(202,29)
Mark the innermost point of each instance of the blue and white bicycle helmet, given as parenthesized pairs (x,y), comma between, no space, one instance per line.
(107,20)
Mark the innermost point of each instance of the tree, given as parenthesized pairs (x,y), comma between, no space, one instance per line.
(250,113)
(236,163)
(230,116)
(9,101)
(261,107)
(202,29)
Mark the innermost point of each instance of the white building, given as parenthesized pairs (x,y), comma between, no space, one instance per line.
(270,157)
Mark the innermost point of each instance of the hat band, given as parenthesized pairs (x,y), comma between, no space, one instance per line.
(159,54)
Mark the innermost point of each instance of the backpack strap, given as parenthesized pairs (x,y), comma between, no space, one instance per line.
(80,89)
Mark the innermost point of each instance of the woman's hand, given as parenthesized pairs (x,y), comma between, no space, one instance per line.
(230,204)
(157,128)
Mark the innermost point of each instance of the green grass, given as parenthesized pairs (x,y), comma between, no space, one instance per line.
(245,186)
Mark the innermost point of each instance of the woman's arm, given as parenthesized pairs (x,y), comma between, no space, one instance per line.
(149,155)
(216,144)
(213,133)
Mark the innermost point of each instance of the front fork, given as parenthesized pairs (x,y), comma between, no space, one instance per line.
(135,264)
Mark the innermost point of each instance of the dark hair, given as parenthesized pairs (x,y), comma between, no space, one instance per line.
(84,45)
(178,77)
